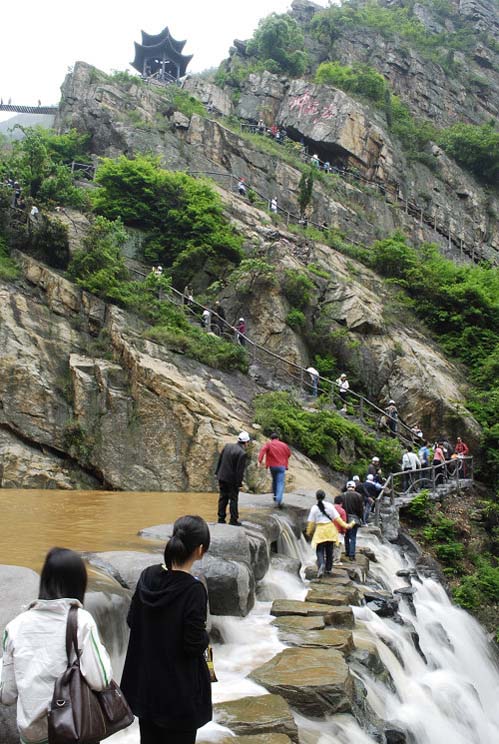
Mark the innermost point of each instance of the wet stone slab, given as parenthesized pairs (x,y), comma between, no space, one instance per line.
(261,715)
(339,639)
(331,595)
(258,739)
(294,622)
(341,616)
(314,681)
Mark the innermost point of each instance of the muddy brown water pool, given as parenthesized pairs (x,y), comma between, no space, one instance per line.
(33,521)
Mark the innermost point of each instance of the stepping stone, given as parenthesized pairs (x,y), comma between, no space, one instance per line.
(333,580)
(331,595)
(341,616)
(260,715)
(314,681)
(294,622)
(341,640)
(258,739)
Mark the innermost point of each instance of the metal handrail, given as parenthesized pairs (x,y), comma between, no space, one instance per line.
(294,371)
(453,472)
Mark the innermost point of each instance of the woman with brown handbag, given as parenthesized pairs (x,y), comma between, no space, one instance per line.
(166,678)
(34,645)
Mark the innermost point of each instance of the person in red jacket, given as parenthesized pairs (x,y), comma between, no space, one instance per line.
(276,454)
(461,448)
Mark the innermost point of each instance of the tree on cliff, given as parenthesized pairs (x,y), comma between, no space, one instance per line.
(186,230)
(279,42)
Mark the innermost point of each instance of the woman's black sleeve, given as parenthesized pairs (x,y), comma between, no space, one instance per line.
(195,636)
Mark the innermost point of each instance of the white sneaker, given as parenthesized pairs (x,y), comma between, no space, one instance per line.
(320,572)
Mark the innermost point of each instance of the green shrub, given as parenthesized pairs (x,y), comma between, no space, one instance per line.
(77,442)
(324,435)
(392,257)
(185,103)
(252,273)
(297,288)
(197,344)
(357,78)
(183,217)
(47,240)
(305,189)
(475,147)
(99,267)
(421,506)
(9,270)
(279,43)
(295,319)
(479,588)
(392,22)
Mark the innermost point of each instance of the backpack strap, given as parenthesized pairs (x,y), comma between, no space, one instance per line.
(72,633)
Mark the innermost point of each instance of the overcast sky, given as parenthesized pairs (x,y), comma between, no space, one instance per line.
(40,39)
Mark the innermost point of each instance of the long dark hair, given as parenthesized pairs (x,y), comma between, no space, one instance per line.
(320,495)
(63,575)
(188,534)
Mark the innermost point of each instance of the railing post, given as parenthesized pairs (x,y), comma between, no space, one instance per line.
(433,480)
(361,409)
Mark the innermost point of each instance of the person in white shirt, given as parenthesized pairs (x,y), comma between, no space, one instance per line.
(314,380)
(34,645)
(344,387)
(206,318)
(410,463)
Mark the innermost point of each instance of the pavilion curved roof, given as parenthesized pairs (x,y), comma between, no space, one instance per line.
(153,39)
(156,46)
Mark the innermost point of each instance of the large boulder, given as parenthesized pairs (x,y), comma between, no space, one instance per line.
(231,585)
(108,603)
(281,562)
(125,566)
(19,586)
(262,714)
(335,122)
(248,545)
(314,681)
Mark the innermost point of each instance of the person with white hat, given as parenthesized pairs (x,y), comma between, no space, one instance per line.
(374,469)
(343,388)
(230,474)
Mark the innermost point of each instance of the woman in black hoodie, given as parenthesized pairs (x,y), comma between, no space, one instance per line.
(166,679)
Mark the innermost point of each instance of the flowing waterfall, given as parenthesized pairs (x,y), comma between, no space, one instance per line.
(447,691)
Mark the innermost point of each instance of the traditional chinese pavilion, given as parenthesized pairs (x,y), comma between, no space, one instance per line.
(160,56)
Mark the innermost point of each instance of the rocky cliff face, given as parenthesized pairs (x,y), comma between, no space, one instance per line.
(88,402)
(82,388)
(452,209)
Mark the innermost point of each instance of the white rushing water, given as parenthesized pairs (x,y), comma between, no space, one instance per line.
(451,698)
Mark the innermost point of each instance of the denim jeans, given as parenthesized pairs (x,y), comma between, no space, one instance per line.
(368,505)
(351,541)
(278,473)
(324,552)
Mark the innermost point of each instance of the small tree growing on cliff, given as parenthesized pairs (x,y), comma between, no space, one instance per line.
(305,189)
(279,41)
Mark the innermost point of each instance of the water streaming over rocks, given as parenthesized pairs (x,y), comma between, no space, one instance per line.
(424,675)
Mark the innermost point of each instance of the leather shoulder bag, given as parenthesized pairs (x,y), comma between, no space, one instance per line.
(78,714)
